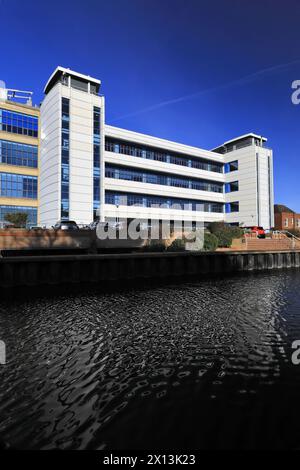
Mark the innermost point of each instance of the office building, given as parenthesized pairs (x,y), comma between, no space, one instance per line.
(19,154)
(91,170)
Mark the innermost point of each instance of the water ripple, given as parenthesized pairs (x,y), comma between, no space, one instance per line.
(85,370)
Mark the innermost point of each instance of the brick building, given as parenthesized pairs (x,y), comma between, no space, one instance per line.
(285,218)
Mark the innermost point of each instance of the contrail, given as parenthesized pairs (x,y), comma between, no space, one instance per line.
(240,81)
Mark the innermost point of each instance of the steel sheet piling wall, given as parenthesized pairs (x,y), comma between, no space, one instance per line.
(73,269)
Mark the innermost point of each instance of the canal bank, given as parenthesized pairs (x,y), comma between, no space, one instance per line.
(72,269)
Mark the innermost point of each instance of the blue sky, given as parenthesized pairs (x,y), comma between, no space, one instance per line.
(193,71)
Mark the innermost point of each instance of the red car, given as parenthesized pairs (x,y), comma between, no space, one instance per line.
(259,231)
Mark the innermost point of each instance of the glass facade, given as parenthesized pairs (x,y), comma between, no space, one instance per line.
(65,149)
(19,186)
(12,153)
(31,211)
(18,123)
(96,170)
(162,156)
(159,178)
(146,200)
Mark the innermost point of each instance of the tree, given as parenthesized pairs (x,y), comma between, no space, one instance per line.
(18,219)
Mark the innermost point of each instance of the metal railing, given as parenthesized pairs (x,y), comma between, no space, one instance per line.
(291,236)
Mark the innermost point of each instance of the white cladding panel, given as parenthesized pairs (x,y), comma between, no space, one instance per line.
(255,195)
(247,194)
(265,187)
(81,155)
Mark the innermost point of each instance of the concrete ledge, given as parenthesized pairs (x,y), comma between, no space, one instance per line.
(72,269)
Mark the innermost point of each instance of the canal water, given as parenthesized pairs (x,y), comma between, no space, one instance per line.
(197,365)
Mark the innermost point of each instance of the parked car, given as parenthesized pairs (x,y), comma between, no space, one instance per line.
(36,227)
(66,225)
(259,231)
(93,225)
(6,225)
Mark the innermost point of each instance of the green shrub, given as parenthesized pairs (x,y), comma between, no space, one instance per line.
(177,245)
(210,242)
(225,233)
(237,232)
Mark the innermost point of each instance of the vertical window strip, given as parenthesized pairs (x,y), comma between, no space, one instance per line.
(65,155)
(96,156)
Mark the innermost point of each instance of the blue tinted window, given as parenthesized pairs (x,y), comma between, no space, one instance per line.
(128,148)
(145,200)
(30,211)
(12,153)
(18,123)
(231,207)
(19,186)
(231,187)
(232,166)
(65,143)
(157,178)
(96,148)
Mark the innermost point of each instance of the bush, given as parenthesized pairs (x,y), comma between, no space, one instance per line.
(237,232)
(210,242)
(225,233)
(177,245)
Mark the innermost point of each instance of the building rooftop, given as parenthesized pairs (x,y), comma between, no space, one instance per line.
(60,71)
(280,208)
(242,139)
(246,136)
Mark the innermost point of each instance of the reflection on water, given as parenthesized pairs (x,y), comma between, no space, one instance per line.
(196,365)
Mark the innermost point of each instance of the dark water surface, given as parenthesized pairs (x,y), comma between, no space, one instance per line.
(205,364)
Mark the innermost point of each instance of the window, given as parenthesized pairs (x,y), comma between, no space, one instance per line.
(12,153)
(231,187)
(231,207)
(162,156)
(18,123)
(96,171)
(65,141)
(145,200)
(232,166)
(79,84)
(30,211)
(286,222)
(162,179)
(19,186)
(298,222)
